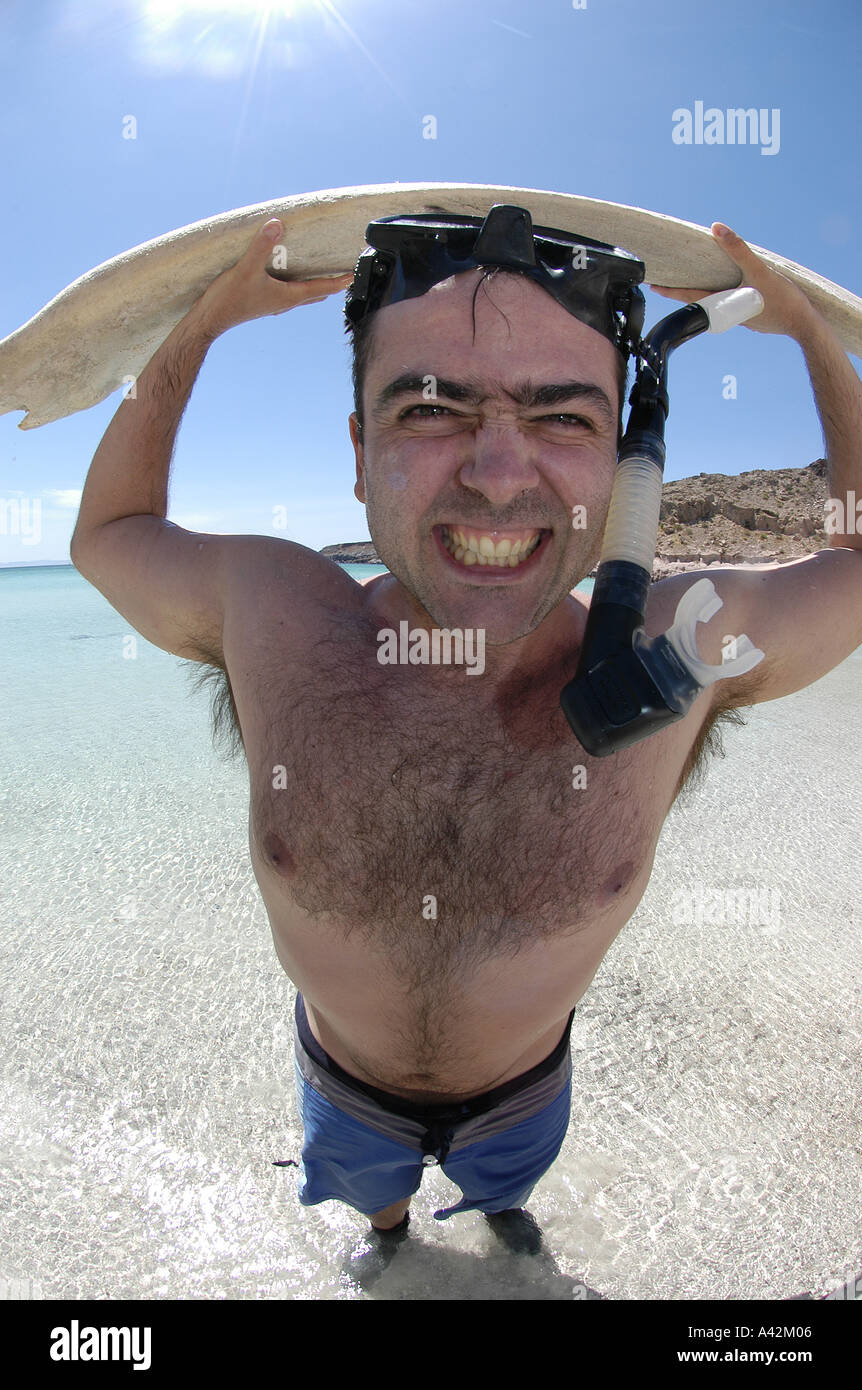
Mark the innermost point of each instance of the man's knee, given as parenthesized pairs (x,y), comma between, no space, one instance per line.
(389,1216)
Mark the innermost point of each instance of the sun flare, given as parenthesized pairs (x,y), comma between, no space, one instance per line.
(240,40)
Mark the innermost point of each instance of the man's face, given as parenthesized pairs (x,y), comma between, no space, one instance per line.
(481,447)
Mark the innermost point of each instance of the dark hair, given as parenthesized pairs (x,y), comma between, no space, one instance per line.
(362,337)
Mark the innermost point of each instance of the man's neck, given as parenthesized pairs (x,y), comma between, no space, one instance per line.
(558,635)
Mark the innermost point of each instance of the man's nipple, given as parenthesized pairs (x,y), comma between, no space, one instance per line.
(277,854)
(620,880)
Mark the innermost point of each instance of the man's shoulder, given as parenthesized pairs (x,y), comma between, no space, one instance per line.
(279,588)
(269,564)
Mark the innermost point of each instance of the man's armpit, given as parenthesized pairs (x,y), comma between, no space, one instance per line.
(732,700)
(211,676)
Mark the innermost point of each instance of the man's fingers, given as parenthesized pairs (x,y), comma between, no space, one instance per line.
(263,239)
(674,292)
(786,308)
(305,290)
(730,242)
(733,244)
(327,284)
(322,286)
(728,237)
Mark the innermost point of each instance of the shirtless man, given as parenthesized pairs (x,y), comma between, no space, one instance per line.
(438,889)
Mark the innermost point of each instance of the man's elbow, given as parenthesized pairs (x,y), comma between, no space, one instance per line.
(76,548)
(81,550)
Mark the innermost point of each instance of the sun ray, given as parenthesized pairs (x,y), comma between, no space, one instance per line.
(263,24)
(330,9)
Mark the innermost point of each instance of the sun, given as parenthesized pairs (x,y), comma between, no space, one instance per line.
(194,23)
(227,40)
(222,39)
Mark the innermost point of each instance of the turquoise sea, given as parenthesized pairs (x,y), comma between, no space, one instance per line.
(146,1082)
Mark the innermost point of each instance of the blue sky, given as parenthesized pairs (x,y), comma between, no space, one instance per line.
(238,102)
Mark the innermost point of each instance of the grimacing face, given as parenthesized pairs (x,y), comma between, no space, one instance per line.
(476,449)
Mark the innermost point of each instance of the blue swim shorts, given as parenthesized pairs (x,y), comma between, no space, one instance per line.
(368,1148)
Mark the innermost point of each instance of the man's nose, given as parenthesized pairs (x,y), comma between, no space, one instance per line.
(501,464)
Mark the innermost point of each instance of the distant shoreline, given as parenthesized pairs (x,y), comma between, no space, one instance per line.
(761,517)
(36,565)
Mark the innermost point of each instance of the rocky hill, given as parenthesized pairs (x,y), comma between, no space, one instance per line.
(353,553)
(751,518)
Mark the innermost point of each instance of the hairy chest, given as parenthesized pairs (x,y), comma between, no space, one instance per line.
(446,833)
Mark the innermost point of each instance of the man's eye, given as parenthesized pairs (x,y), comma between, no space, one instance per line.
(567,420)
(412,409)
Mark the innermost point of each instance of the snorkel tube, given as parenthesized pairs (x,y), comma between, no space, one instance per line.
(627,685)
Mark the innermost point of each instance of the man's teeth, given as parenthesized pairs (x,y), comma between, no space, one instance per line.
(471,549)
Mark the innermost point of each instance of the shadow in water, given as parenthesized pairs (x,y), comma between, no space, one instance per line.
(519,1266)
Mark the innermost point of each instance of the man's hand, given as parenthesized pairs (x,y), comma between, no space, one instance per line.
(785,308)
(246,291)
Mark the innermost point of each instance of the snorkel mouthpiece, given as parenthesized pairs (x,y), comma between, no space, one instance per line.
(627,685)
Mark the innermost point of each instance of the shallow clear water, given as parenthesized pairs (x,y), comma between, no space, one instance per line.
(146,1082)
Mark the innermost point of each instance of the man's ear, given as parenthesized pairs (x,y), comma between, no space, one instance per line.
(356,441)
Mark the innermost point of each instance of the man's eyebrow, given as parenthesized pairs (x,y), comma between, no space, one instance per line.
(557,393)
(409,383)
(525,394)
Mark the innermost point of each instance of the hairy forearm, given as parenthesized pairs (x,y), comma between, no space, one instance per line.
(130,469)
(838,396)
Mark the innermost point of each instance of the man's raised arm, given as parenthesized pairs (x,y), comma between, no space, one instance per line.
(168,582)
(806,615)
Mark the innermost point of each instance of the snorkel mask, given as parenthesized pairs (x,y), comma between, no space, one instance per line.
(595,282)
(627,685)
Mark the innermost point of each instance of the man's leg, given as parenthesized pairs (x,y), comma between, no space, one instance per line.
(497,1174)
(344,1159)
(390,1217)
